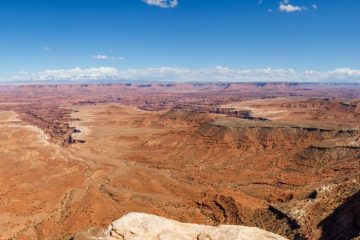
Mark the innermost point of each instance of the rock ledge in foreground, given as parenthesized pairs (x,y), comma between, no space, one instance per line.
(141,226)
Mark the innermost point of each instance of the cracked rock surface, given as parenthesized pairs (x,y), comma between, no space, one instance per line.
(141,226)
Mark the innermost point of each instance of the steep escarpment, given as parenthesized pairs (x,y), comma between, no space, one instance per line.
(344,221)
(257,135)
(315,156)
(53,120)
(331,211)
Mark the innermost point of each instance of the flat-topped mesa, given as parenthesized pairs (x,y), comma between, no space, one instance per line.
(244,114)
(135,226)
(231,112)
(250,133)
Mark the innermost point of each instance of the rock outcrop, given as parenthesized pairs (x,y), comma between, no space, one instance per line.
(136,226)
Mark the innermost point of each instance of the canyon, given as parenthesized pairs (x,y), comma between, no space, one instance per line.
(282,157)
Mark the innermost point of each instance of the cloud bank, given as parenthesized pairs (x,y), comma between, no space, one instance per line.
(170,74)
(73,74)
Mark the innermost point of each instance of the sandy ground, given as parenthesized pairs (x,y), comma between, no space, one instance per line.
(166,163)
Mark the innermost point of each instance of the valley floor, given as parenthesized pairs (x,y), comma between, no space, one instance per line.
(286,164)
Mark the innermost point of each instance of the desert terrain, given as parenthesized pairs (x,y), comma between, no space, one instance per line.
(283,157)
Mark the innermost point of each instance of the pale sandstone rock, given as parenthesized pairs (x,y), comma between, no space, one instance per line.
(140,226)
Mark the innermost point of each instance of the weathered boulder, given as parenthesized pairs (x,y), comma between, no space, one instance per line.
(141,226)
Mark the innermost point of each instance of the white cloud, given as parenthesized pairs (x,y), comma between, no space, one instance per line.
(162,3)
(106,57)
(100,57)
(314,6)
(46,49)
(287,7)
(171,74)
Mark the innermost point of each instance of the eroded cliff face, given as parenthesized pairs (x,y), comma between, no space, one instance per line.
(344,222)
(136,226)
(329,212)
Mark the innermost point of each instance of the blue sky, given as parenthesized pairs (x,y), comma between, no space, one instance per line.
(222,40)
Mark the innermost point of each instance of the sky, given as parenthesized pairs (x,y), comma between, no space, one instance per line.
(180,40)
